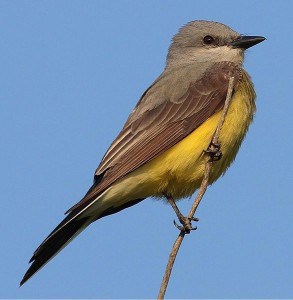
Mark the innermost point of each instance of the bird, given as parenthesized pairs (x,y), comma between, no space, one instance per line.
(161,149)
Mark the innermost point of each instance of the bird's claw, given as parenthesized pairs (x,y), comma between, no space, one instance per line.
(186,224)
(214,151)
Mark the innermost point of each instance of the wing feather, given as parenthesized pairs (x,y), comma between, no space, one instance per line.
(148,134)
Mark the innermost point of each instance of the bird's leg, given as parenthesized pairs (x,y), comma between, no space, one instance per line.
(185,221)
(214,151)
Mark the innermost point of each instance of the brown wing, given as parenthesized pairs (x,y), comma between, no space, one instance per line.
(156,130)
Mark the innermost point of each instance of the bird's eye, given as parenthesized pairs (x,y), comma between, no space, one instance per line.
(208,40)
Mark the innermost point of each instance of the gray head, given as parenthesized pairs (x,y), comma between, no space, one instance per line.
(206,41)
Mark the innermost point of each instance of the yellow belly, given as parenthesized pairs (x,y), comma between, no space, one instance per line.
(179,170)
(186,160)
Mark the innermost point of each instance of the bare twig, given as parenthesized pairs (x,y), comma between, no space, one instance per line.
(201,192)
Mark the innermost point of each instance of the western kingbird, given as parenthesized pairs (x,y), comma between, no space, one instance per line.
(160,149)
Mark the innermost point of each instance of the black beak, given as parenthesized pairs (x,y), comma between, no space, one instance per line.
(245,41)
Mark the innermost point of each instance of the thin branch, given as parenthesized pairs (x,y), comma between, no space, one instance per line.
(201,192)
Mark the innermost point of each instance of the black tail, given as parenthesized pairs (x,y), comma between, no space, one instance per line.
(54,243)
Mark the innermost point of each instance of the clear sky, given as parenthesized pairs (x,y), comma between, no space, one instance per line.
(71,71)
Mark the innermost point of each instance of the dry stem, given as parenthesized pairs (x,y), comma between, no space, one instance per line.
(201,192)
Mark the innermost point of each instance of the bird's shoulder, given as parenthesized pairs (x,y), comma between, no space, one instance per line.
(173,85)
(189,95)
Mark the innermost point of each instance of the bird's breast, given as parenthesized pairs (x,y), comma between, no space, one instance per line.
(184,164)
(179,170)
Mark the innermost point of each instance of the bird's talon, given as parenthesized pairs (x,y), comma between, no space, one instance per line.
(214,151)
(174,222)
(186,224)
(177,226)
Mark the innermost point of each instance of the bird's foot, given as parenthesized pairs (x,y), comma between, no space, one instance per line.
(185,221)
(186,224)
(214,151)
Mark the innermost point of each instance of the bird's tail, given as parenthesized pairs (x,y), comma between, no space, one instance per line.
(64,233)
(74,223)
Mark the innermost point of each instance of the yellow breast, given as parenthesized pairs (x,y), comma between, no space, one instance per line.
(181,168)
(179,171)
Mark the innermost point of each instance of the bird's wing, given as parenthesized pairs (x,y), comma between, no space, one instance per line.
(156,130)
(144,136)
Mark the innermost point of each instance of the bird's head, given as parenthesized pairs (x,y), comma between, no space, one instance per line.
(208,42)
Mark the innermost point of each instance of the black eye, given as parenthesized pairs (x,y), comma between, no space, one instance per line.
(208,40)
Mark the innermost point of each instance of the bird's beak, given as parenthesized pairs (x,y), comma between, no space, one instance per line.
(245,41)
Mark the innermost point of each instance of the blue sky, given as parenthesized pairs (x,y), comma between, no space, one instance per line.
(71,71)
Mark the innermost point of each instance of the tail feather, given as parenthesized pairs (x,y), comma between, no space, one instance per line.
(54,243)
(73,224)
